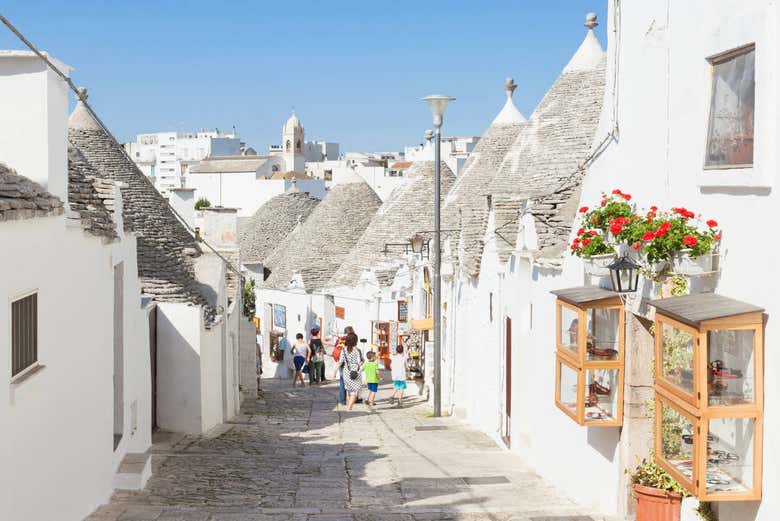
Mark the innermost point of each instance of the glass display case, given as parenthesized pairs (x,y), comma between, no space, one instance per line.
(590,339)
(709,395)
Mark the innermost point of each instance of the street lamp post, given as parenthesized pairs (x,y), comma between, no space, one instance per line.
(437,104)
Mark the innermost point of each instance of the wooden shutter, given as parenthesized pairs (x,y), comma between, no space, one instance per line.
(24,333)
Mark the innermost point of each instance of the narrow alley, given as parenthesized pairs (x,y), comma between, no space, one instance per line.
(292,455)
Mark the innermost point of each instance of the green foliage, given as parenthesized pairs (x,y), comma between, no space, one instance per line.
(679,285)
(590,243)
(706,512)
(202,203)
(650,474)
(249,298)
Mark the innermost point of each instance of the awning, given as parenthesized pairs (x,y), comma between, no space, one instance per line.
(423,324)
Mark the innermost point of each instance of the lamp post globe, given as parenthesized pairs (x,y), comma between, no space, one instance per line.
(438,104)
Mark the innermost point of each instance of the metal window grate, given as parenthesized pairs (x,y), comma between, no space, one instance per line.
(24,333)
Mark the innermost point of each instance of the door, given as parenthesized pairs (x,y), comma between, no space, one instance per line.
(153,361)
(508,383)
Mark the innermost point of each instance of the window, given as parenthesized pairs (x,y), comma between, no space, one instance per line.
(329,175)
(732,103)
(24,333)
(298,145)
(288,145)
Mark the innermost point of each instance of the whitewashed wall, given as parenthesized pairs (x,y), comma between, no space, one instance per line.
(664,86)
(61,418)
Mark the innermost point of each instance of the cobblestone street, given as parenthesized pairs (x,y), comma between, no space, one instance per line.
(293,456)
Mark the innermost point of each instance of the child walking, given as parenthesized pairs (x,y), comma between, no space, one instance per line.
(398,372)
(299,358)
(371,370)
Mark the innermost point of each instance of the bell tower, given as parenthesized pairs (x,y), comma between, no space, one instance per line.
(292,145)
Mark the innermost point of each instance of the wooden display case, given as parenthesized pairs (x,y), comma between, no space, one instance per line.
(589,362)
(709,386)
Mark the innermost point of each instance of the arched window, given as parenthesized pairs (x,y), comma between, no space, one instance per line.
(298,145)
(288,145)
(275,168)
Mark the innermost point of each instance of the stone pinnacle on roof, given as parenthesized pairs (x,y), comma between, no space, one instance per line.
(509,115)
(293,188)
(590,53)
(590,21)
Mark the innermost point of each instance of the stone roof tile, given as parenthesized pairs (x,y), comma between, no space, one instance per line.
(316,249)
(408,211)
(165,247)
(91,197)
(21,198)
(272,222)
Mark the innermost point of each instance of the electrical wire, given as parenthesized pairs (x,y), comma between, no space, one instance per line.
(82,97)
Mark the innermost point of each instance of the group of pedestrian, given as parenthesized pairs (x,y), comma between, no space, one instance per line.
(353,369)
(350,363)
(308,358)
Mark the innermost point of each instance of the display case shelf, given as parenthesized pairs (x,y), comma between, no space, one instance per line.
(590,340)
(709,395)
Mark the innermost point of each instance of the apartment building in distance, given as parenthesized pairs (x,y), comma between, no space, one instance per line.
(166,157)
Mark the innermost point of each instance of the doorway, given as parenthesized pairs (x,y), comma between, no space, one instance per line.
(508,384)
(153,361)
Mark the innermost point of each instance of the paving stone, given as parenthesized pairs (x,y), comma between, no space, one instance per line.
(297,457)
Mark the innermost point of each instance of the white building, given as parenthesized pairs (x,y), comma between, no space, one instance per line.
(292,298)
(166,157)
(454,151)
(513,206)
(76,356)
(247,182)
(194,325)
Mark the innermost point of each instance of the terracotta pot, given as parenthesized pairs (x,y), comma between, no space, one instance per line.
(654,504)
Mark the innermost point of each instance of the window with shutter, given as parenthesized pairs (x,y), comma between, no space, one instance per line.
(24,333)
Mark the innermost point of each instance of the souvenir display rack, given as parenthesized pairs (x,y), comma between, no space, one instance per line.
(709,387)
(590,346)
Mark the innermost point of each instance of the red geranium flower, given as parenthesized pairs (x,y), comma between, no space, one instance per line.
(712,223)
(690,240)
(653,208)
(616,228)
(637,245)
(593,233)
(717,237)
(585,241)
(583,209)
(627,197)
(649,236)
(603,202)
(580,231)
(615,192)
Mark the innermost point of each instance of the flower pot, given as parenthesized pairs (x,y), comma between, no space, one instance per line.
(654,504)
(683,264)
(597,264)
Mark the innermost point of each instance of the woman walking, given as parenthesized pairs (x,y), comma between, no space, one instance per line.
(298,352)
(351,361)
(316,358)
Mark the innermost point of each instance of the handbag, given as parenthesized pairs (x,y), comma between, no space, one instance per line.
(353,375)
(305,368)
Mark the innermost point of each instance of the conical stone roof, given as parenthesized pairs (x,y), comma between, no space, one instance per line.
(165,247)
(316,249)
(272,222)
(465,209)
(406,212)
(544,169)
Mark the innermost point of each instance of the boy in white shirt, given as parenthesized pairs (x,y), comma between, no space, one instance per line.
(398,370)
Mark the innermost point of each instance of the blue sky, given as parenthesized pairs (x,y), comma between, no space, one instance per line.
(353,70)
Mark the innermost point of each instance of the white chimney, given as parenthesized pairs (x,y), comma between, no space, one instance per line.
(34,108)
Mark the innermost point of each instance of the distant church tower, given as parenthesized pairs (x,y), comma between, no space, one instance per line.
(292,143)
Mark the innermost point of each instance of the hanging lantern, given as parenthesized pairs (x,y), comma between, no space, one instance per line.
(624,274)
(417,242)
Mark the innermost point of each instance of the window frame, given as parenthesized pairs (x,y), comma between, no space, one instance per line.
(35,365)
(712,61)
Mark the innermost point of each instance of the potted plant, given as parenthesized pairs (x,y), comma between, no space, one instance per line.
(658,495)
